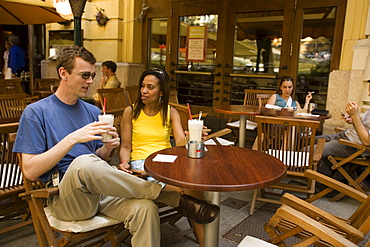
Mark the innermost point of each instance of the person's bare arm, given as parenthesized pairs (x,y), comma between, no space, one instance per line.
(271,100)
(362,132)
(178,132)
(34,165)
(126,139)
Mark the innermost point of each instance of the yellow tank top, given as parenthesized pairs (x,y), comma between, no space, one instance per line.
(149,135)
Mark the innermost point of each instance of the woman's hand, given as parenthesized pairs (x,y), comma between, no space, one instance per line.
(204,134)
(309,97)
(125,166)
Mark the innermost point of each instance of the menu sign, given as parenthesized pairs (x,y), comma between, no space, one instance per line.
(196,43)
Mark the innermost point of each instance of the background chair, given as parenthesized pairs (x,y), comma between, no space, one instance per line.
(11,183)
(132,93)
(293,142)
(173,97)
(115,100)
(313,225)
(252,97)
(45,87)
(12,86)
(214,137)
(12,105)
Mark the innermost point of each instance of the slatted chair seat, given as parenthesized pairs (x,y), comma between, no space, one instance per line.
(96,222)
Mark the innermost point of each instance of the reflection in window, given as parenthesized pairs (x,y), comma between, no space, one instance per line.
(315,54)
(157,42)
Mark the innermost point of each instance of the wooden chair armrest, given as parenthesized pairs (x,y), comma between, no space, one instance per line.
(317,213)
(204,114)
(339,129)
(218,133)
(315,227)
(139,173)
(352,144)
(336,185)
(318,150)
(40,193)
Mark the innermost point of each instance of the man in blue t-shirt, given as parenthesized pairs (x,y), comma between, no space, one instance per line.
(59,138)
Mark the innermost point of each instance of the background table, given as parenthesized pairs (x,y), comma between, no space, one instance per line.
(223,168)
(243,111)
(291,114)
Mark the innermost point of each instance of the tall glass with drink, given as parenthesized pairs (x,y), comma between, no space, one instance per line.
(109,118)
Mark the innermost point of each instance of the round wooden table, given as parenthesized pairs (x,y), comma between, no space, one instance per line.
(243,111)
(223,168)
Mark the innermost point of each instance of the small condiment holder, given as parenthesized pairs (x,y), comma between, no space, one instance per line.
(196,149)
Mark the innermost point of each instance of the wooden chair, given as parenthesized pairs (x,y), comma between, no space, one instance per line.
(115,99)
(173,97)
(12,105)
(253,97)
(215,137)
(355,180)
(99,229)
(313,225)
(12,86)
(132,93)
(45,87)
(293,142)
(11,183)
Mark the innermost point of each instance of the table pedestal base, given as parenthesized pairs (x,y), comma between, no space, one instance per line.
(212,230)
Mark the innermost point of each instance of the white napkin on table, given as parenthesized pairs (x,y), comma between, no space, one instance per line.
(165,158)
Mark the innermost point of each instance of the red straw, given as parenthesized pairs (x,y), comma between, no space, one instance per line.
(191,118)
(105,105)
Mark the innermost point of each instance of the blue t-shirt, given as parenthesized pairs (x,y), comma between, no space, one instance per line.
(46,122)
(281,101)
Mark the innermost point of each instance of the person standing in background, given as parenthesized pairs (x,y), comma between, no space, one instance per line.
(6,56)
(109,79)
(17,56)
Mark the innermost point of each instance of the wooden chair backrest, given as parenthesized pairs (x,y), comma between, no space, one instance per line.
(184,114)
(11,181)
(12,86)
(263,98)
(10,173)
(290,140)
(45,84)
(12,105)
(115,98)
(250,96)
(173,97)
(132,93)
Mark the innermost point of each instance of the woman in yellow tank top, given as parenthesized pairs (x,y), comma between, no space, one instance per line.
(146,128)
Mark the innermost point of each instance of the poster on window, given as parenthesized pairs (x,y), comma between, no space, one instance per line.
(196,43)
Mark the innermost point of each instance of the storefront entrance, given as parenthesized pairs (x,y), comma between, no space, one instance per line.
(249,44)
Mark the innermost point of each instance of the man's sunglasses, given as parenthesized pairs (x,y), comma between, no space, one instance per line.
(86,75)
(157,70)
